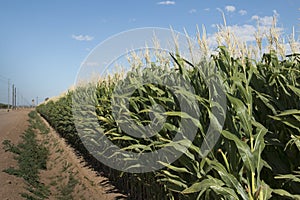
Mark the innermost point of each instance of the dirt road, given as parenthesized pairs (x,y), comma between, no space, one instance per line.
(61,165)
(12,125)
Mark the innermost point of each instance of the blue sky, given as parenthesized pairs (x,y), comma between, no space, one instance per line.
(43,43)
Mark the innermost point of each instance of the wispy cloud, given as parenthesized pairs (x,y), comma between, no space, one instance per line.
(247,32)
(230,8)
(131,20)
(263,21)
(166,3)
(255,17)
(82,37)
(244,33)
(207,9)
(220,10)
(243,12)
(192,11)
(276,14)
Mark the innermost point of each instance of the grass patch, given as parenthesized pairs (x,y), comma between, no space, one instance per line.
(32,155)
(66,166)
(67,190)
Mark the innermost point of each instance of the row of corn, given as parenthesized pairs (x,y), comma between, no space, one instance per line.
(256,157)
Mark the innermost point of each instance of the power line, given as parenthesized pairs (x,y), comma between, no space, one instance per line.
(4,79)
(24,101)
(14,98)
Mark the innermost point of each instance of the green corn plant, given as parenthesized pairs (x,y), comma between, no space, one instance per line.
(257,156)
(240,168)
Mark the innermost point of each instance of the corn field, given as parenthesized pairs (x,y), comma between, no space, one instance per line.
(256,157)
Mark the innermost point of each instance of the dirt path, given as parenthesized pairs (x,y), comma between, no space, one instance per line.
(66,174)
(12,125)
(65,168)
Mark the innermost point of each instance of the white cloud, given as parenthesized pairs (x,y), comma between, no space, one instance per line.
(243,12)
(166,3)
(263,21)
(266,21)
(243,33)
(276,14)
(230,8)
(255,17)
(192,11)
(246,32)
(82,37)
(207,9)
(212,41)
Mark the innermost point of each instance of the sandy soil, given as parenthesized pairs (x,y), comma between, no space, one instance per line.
(64,163)
(12,125)
(64,167)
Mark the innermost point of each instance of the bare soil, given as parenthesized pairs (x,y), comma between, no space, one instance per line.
(65,169)
(12,125)
(64,163)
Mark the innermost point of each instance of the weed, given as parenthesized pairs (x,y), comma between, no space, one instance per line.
(32,157)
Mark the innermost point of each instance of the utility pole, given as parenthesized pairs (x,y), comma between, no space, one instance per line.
(22,101)
(13,97)
(8,96)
